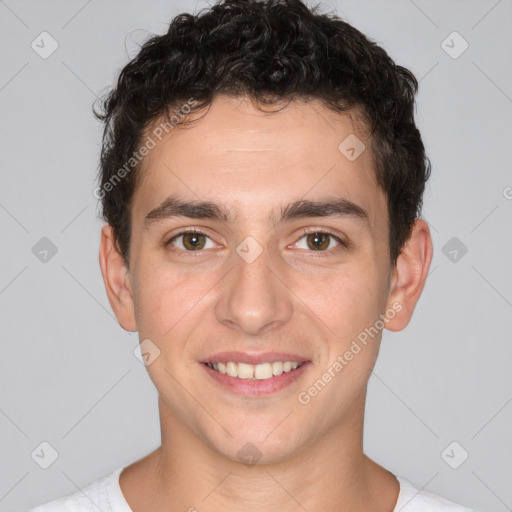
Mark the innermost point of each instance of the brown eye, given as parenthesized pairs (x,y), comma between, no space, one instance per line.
(193,241)
(190,241)
(318,241)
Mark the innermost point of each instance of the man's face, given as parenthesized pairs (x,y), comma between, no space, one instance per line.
(253,284)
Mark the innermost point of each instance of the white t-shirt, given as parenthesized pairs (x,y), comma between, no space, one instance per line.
(105,494)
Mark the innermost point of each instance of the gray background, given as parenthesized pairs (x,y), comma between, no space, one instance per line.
(68,371)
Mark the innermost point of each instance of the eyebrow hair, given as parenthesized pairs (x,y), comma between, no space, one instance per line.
(175,207)
(329,207)
(196,209)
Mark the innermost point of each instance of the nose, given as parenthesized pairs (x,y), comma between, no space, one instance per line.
(254,297)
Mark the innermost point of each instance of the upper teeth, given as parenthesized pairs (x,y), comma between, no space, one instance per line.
(254,371)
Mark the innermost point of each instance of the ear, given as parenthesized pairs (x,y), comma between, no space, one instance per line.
(409,275)
(117,280)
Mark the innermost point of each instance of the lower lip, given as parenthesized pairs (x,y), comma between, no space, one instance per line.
(257,387)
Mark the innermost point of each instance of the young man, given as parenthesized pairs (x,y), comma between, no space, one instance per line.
(262,180)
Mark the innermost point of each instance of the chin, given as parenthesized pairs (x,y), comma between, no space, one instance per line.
(254,448)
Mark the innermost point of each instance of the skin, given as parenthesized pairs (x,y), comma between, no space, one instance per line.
(291,299)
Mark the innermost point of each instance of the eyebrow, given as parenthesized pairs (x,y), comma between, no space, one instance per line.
(303,208)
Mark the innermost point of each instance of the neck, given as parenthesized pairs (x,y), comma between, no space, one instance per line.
(185,473)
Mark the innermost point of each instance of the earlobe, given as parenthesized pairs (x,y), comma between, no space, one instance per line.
(117,280)
(409,276)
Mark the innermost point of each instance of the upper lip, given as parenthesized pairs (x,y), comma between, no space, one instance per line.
(241,357)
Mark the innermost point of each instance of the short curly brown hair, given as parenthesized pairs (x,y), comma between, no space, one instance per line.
(269,51)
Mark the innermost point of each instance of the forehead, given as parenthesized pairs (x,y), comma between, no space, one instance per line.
(237,155)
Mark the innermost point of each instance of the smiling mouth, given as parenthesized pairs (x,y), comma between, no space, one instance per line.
(261,371)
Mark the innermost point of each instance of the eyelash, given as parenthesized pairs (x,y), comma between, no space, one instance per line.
(342,244)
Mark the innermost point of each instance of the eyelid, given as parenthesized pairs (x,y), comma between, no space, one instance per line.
(305,231)
(327,231)
(186,231)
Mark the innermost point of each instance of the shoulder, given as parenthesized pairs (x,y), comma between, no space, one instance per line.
(99,494)
(412,499)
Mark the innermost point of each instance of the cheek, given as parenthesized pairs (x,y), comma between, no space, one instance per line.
(170,304)
(347,301)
